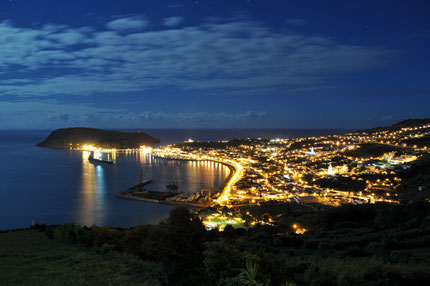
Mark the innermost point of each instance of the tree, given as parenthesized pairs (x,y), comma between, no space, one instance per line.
(221,260)
(248,275)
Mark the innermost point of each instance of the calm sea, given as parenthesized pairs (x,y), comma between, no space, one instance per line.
(55,186)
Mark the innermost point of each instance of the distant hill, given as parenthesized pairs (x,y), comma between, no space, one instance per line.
(399,125)
(412,122)
(62,138)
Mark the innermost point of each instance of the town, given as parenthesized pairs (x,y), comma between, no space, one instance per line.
(362,167)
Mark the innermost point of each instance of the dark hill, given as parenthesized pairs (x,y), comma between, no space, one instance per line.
(374,150)
(408,123)
(412,122)
(78,136)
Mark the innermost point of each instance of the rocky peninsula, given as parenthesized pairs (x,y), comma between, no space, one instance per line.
(79,136)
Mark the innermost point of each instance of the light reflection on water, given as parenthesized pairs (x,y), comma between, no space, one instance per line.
(57,186)
(95,201)
(93,191)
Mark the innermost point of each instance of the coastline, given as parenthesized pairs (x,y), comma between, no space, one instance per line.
(229,166)
(126,196)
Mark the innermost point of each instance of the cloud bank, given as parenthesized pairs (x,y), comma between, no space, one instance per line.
(53,115)
(126,56)
(173,21)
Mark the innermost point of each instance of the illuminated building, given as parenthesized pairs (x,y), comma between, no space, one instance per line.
(330,170)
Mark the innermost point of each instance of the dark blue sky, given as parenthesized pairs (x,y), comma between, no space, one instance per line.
(222,64)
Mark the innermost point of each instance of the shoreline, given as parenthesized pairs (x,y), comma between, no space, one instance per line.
(172,203)
(229,166)
(124,195)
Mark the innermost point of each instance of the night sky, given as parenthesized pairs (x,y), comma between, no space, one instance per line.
(213,63)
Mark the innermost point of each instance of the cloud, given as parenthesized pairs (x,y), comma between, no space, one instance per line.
(387,117)
(173,21)
(68,37)
(209,58)
(129,118)
(33,114)
(127,24)
(29,114)
(296,22)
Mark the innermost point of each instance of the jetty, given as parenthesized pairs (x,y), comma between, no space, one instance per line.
(139,192)
(204,198)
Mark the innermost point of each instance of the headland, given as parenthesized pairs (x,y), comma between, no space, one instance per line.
(74,138)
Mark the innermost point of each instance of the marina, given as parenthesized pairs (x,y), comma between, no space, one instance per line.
(64,186)
(203,198)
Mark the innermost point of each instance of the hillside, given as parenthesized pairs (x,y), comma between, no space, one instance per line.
(408,123)
(78,136)
(29,257)
(373,150)
(378,244)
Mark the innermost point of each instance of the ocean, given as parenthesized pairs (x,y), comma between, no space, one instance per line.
(53,186)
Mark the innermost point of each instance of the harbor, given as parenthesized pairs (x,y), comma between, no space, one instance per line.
(202,199)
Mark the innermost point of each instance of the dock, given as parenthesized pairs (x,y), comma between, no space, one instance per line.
(198,200)
(139,192)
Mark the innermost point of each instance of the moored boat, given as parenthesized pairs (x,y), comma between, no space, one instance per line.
(172,186)
(97,157)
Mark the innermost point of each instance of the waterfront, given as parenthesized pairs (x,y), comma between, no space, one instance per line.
(353,168)
(54,186)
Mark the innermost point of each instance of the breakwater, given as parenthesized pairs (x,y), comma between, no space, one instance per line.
(197,199)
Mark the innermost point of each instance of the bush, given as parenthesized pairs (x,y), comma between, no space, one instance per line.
(222,260)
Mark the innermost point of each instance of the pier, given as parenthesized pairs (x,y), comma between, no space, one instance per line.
(138,192)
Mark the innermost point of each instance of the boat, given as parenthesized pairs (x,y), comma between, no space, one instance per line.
(172,186)
(96,157)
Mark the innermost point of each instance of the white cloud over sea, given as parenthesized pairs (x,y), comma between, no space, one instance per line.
(130,55)
(29,115)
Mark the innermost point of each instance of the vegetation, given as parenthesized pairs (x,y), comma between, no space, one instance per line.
(416,181)
(29,257)
(379,244)
(408,123)
(75,137)
(373,150)
(340,183)
(420,142)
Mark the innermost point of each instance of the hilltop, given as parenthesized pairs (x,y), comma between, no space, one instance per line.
(408,123)
(78,136)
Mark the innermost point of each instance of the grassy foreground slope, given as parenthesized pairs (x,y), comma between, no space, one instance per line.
(379,244)
(29,257)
